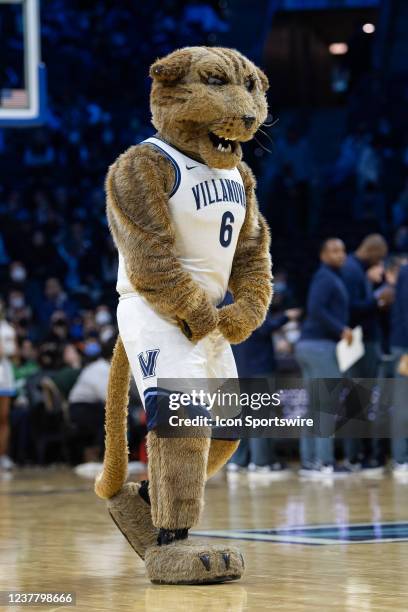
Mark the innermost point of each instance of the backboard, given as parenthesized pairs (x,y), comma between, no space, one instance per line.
(22,75)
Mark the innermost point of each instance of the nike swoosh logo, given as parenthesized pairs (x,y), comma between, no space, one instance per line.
(190,167)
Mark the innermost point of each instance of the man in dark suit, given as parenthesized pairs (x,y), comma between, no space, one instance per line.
(326,323)
(399,347)
(363,269)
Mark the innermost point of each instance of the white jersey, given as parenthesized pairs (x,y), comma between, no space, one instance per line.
(207,209)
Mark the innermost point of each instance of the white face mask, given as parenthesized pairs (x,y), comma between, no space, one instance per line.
(18,275)
(106,334)
(17,302)
(103,317)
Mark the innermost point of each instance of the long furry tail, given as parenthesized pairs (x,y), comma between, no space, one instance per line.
(115,465)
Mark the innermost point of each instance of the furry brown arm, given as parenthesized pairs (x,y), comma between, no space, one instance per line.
(251,277)
(138,186)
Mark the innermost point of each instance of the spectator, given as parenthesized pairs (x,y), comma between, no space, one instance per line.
(42,257)
(255,358)
(400,209)
(18,274)
(7,385)
(326,323)
(391,273)
(361,271)
(4,257)
(66,376)
(370,206)
(401,239)
(58,330)
(19,312)
(350,152)
(399,343)
(369,164)
(25,365)
(54,299)
(87,400)
(39,154)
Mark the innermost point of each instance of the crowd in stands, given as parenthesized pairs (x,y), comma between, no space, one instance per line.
(58,264)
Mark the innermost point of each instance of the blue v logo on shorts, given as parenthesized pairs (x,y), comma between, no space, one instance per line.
(148,361)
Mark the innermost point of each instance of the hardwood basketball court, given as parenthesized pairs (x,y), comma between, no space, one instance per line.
(339,545)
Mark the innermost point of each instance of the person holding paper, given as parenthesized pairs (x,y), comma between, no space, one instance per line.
(326,323)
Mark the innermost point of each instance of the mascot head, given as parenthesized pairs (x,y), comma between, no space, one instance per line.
(206,101)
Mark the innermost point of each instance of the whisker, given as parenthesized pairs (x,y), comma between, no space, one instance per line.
(262,145)
(268,136)
(271,123)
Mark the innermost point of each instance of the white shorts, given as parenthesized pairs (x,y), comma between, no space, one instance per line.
(7,382)
(157,349)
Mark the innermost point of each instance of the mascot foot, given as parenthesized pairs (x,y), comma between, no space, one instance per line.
(131,514)
(191,562)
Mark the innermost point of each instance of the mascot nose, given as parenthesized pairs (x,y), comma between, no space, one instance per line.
(248,120)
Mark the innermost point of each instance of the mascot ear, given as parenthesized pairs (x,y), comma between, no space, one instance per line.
(171,68)
(264,79)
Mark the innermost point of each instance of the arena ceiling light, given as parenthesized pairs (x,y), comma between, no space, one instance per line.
(369,28)
(338,48)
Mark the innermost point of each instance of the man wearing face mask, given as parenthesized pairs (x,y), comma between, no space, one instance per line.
(87,398)
(103,316)
(20,315)
(18,274)
(16,301)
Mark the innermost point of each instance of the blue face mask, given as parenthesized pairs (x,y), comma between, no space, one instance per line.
(92,349)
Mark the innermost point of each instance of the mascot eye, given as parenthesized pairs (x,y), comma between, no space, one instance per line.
(213,80)
(250,84)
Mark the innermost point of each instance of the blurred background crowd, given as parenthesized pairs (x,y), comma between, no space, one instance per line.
(335,165)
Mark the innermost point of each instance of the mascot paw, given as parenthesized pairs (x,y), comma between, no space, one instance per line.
(131,514)
(199,318)
(235,323)
(191,562)
(197,327)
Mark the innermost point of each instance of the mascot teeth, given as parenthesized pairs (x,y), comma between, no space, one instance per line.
(224,148)
(224,145)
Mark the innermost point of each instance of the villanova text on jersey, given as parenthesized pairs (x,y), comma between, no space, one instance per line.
(218,190)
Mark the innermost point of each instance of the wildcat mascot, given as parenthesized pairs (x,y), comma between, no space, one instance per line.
(183,214)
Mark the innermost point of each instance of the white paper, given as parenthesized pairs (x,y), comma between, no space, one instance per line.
(349,354)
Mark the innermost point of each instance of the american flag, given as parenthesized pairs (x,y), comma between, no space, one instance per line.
(13,98)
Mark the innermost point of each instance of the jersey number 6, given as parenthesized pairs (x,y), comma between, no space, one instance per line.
(226,228)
